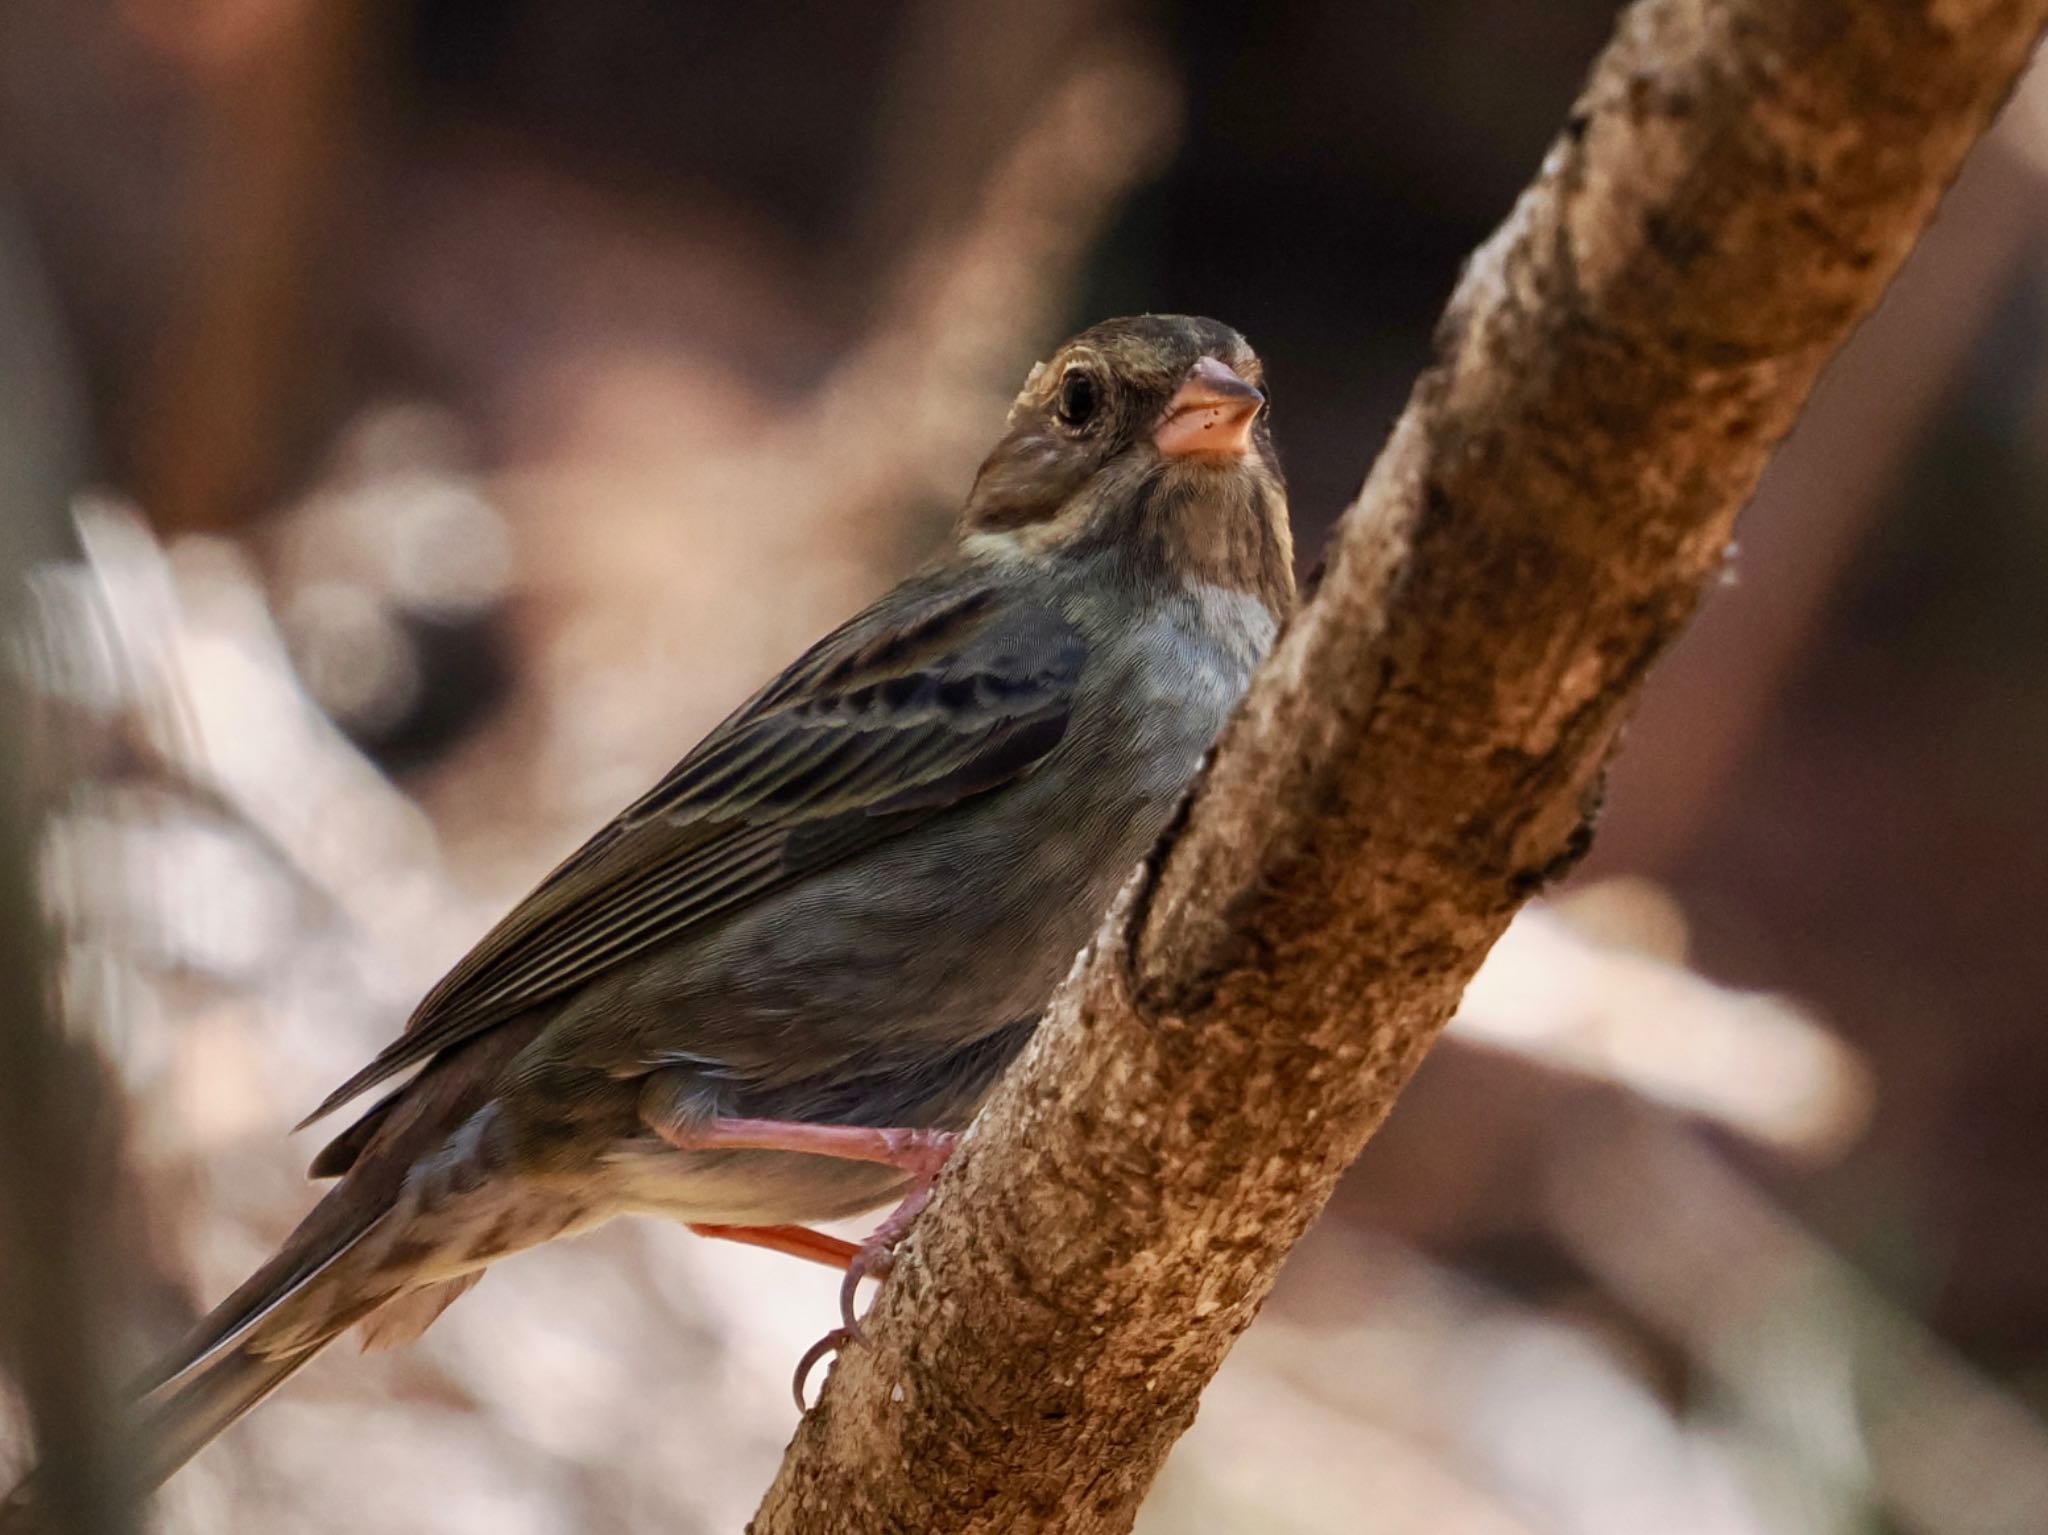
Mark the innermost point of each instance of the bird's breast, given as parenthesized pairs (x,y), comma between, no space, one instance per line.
(964,924)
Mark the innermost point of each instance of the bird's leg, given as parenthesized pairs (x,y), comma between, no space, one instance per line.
(794,1241)
(919,1152)
(873,1258)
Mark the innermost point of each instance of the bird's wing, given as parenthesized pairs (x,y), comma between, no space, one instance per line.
(934,695)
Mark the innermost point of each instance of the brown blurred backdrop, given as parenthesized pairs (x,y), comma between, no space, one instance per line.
(453,407)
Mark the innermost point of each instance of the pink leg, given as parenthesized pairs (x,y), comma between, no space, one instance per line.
(920,1153)
(795,1241)
(873,1259)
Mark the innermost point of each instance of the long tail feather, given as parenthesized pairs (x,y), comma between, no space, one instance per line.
(186,1420)
(329,1231)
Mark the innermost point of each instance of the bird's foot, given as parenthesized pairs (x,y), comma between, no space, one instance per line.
(873,1259)
(876,1257)
(824,1348)
(920,1153)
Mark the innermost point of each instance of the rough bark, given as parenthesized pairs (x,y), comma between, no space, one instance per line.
(1732,191)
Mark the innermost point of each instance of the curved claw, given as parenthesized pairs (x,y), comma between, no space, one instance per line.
(922,1153)
(874,1260)
(831,1343)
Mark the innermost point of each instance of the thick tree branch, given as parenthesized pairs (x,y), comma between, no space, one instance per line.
(1735,187)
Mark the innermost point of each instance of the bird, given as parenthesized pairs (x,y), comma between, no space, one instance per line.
(772,991)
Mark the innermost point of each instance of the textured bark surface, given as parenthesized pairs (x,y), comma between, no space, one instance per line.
(1731,194)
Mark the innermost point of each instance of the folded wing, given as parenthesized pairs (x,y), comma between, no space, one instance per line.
(926,700)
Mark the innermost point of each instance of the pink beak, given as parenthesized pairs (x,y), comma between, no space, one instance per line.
(1210,415)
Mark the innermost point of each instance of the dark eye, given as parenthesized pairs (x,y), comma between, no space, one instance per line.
(1079,397)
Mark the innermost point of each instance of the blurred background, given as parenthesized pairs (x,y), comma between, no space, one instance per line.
(426,418)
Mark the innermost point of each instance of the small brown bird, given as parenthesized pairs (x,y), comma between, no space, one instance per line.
(772,991)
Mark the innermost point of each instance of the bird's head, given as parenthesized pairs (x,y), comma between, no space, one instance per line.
(1148,437)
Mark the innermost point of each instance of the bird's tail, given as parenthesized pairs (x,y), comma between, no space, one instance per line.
(188,1418)
(255,1339)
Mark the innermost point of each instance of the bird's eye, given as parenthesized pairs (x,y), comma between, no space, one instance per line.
(1078,397)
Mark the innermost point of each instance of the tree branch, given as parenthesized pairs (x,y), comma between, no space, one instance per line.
(60,1141)
(1733,190)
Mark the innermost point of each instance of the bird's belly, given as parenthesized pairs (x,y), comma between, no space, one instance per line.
(744,1188)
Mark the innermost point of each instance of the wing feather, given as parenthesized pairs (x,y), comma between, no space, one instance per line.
(934,695)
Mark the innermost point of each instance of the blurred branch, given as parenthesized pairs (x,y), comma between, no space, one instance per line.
(58,1146)
(275,82)
(53,1149)
(1746,1061)
(964,87)
(973,303)
(1384,1392)
(1733,190)
(1851,1395)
